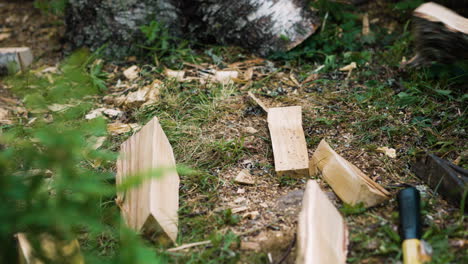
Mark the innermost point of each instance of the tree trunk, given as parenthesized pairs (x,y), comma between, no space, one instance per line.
(261,26)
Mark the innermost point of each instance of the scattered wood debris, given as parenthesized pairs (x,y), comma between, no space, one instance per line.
(225,77)
(104,112)
(251,215)
(390,152)
(258,101)
(150,208)
(348,182)
(4,36)
(59,107)
(121,128)
(444,177)
(131,73)
(288,141)
(5,117)
(312,77)
(13,60)
(250,246)
(239,209)
(177,75)
(190,245)
(365,25)
(250,130)
(322,235)
(244,177)
(349,67)
(58,251)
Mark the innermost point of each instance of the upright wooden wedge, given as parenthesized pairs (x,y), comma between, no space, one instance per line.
(150,208)
(66,252)
(322,235)
(288,141)
(348,182)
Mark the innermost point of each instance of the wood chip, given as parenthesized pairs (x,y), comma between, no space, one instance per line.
(244,177)
(121,128)
(239,209)
(59,107)
(251,215)
(131,73)
(258,101)
(190,245)
(225,77)
(177,75)
(365,25)
(250,130)
(5,117)
(390,152)
(349,67)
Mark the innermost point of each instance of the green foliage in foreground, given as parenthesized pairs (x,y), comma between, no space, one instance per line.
(48,183)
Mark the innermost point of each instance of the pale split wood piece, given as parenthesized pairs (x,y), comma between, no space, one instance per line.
(322,235)
(67,252)
(258,101)
(348,182)
(150,208)
(288,141)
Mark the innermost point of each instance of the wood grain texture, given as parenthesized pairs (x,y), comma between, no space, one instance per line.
(288,141)
(150,208)
(322,235)
(348,182)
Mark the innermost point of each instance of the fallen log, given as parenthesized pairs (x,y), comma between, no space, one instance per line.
(262,27)
(151,207)
(346,180)
(322,235)
(440,35)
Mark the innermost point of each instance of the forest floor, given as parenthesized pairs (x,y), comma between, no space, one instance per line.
(215,129)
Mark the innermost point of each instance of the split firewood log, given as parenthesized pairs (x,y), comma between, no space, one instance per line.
(440,35)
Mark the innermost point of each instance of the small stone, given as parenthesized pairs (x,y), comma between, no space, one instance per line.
(240,191)
(244,177)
